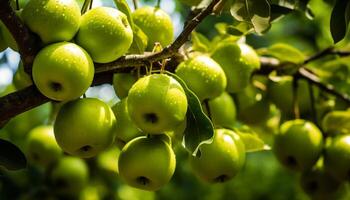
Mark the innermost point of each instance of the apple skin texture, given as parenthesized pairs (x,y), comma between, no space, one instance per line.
(157,103)
(147,163)
(280,92)
(122,82)
(223,111)
(337,157)
(85,127)
(336,122)
(220,160)
(298,145)
(105,33)
(52,20)
(156,24)
(238,61)
(63,71)
(42,148)
(319,184)
(69,176)
(21,79)
(203,76)
(125,129)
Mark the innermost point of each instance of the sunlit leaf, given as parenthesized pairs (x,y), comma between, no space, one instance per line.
(199,129)
(250,139)
(256,12)
(200,42)
(284,53)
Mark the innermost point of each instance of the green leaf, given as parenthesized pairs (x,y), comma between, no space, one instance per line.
(199,129)
(11,157)
(123,6)
(200,42)
(339,21)
(284,53)
(256,12)
(140,41)
(279,11)
(252,141)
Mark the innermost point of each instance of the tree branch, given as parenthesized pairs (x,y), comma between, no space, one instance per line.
(28,98)
(28,43)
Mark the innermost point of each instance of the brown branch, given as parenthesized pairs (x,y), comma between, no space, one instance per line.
(28,43)
(146,59)
(315,80)
(28,98)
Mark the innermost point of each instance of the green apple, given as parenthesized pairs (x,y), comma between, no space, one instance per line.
(220,160)
(107,161)
(85,127)
(203,76)
(21,79)
(147,163)
(319,184)
(337,157)
(238,61)
(298,145)
(125,129)
(52,20)
(63,71)
(280,92)
(336,122)
(223,110)
(42,148)
(157,103)
(69,176)
(122,82)
(156,24)
(105,33)
(254,107)
(7,36)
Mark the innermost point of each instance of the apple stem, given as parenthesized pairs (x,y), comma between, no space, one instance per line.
(135,4)
(312,100)
(295,98)
(17,5)
(87,5)
(158,3)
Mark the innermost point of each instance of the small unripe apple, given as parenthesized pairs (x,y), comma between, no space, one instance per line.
(319,184)
(147,163)
(157,103)
(63,71)
(298,145)
(220,160)
(238,61)
(42,148)
(223,110)
(337,157)
(125,129)
(336,122)
(203,76)
(105,33)
(280,92)
(52,20)
(85,127)
(254,107)
(69,176)
(21,79)
(122,82)
(156,24)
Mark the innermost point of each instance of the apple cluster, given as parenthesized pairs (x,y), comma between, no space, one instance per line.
(151,114)
(323,159)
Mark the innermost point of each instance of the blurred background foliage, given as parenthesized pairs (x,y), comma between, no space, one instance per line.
(262,177)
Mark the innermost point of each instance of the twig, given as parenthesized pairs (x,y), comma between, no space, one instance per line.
(28,43)
(28,98)
(295,104)
(312,78)
(135,4)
